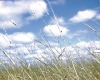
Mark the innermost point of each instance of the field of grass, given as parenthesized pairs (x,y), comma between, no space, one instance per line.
(53,71)
(54,68)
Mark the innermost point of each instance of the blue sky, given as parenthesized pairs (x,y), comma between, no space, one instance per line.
(71,17)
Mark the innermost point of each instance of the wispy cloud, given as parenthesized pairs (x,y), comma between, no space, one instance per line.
(98,16)
(78,33)
(57,1)
(15,10)
(60,20)
(82,16)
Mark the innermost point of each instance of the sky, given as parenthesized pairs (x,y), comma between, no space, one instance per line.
(24,21)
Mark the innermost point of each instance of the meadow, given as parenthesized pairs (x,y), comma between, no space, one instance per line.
(53,65)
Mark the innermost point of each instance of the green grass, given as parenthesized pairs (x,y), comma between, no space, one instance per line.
(52,71)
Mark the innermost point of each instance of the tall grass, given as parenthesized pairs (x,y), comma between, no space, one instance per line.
(54,66)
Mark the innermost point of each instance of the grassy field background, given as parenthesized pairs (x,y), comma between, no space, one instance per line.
(53,67)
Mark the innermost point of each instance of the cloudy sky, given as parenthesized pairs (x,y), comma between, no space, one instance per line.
(23,21)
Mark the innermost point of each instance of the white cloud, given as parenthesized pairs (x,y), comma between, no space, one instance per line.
(15,10)
(46,54)
(60,20)
(37,9)
(22,37)
(18,37)
(39,55)
(82,44)
(77,33)
(83,16)
(55,30)
(91,45)
(98,16)
(57,1)
(53,44)
(4,41)
(7,24)
(80,48)
(96,51)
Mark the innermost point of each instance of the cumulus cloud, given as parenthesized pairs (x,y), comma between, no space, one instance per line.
(15,10)
(61,52)
(22,37)
(82,16)
(91,45)
(82,44)
(4,41)
(7,25)
(73,50)
(39,54)
(56,30)
(52,29)
(18,37)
